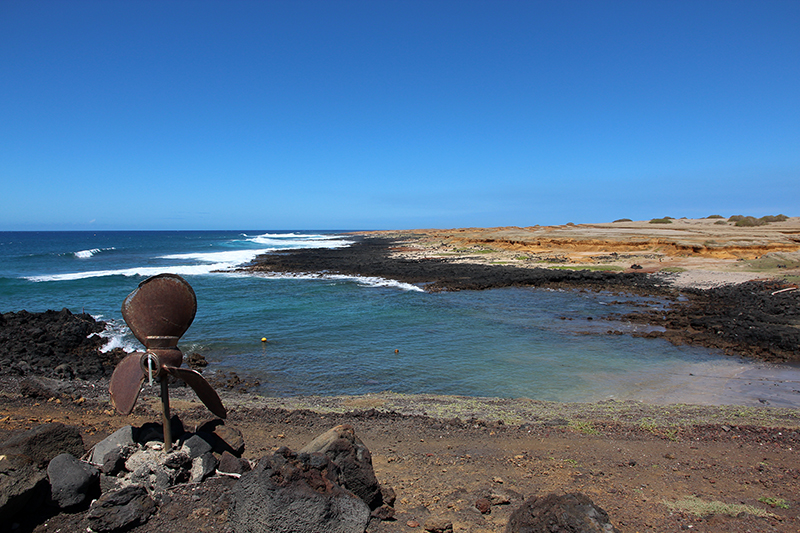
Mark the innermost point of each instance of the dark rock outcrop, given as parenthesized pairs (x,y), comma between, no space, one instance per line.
(221,437)
(341,446)
(295,493)
(570,513)
(55,344)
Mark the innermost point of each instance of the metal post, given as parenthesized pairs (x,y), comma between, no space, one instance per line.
(165,413)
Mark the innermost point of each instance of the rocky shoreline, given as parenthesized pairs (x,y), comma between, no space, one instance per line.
(756,319)
(447,463)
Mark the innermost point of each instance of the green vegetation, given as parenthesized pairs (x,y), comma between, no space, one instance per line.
(583,426)
(650,425)
(775,218)
(622,220)
(715,216)
(696,506)
(775,502)
(721,223)
(665,220)
(748,221)
(475,250)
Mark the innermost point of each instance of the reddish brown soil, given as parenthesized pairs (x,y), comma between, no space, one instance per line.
(439,468)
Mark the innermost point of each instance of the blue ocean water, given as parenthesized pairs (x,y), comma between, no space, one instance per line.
(343,335)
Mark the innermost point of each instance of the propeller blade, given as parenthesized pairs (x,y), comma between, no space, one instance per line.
(203,389)
(126,382)
(162,306)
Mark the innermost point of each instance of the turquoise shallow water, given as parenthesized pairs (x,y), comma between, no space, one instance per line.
(355,336)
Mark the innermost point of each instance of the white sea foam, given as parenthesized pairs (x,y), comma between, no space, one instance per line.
(86,254)
(118,335)
(274,241)
(294,241)
(383,282)
(206,262)
(367,281)
(304,236)
(230,257)
(183,270)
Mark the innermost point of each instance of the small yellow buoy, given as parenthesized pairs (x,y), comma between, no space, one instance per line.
(263,339)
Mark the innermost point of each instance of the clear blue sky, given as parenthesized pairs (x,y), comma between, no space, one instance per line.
(394,114)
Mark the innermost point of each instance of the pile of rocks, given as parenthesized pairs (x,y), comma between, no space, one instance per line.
(135,471)
(120,483)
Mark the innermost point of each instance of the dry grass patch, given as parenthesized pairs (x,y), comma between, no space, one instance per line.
(697,507)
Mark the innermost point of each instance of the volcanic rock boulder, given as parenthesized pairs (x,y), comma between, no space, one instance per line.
(570,513)
(223,438)
(23,480)
(295,493)
(121,509)
(72,482)
(118,440)
(341,446)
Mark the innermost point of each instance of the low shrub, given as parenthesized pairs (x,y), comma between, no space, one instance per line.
(622,220)
(715,216)
(665,220)
(750,222)
(774,218)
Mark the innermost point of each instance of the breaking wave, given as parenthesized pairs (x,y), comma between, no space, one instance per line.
(86,254)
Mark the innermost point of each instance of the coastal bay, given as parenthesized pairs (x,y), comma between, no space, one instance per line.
(640,461)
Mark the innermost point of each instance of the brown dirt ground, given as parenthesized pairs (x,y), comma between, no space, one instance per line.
(636,461)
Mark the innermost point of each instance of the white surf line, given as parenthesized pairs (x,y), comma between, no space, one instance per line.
(370,281)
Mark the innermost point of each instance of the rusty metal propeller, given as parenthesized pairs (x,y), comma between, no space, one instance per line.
(159,312)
